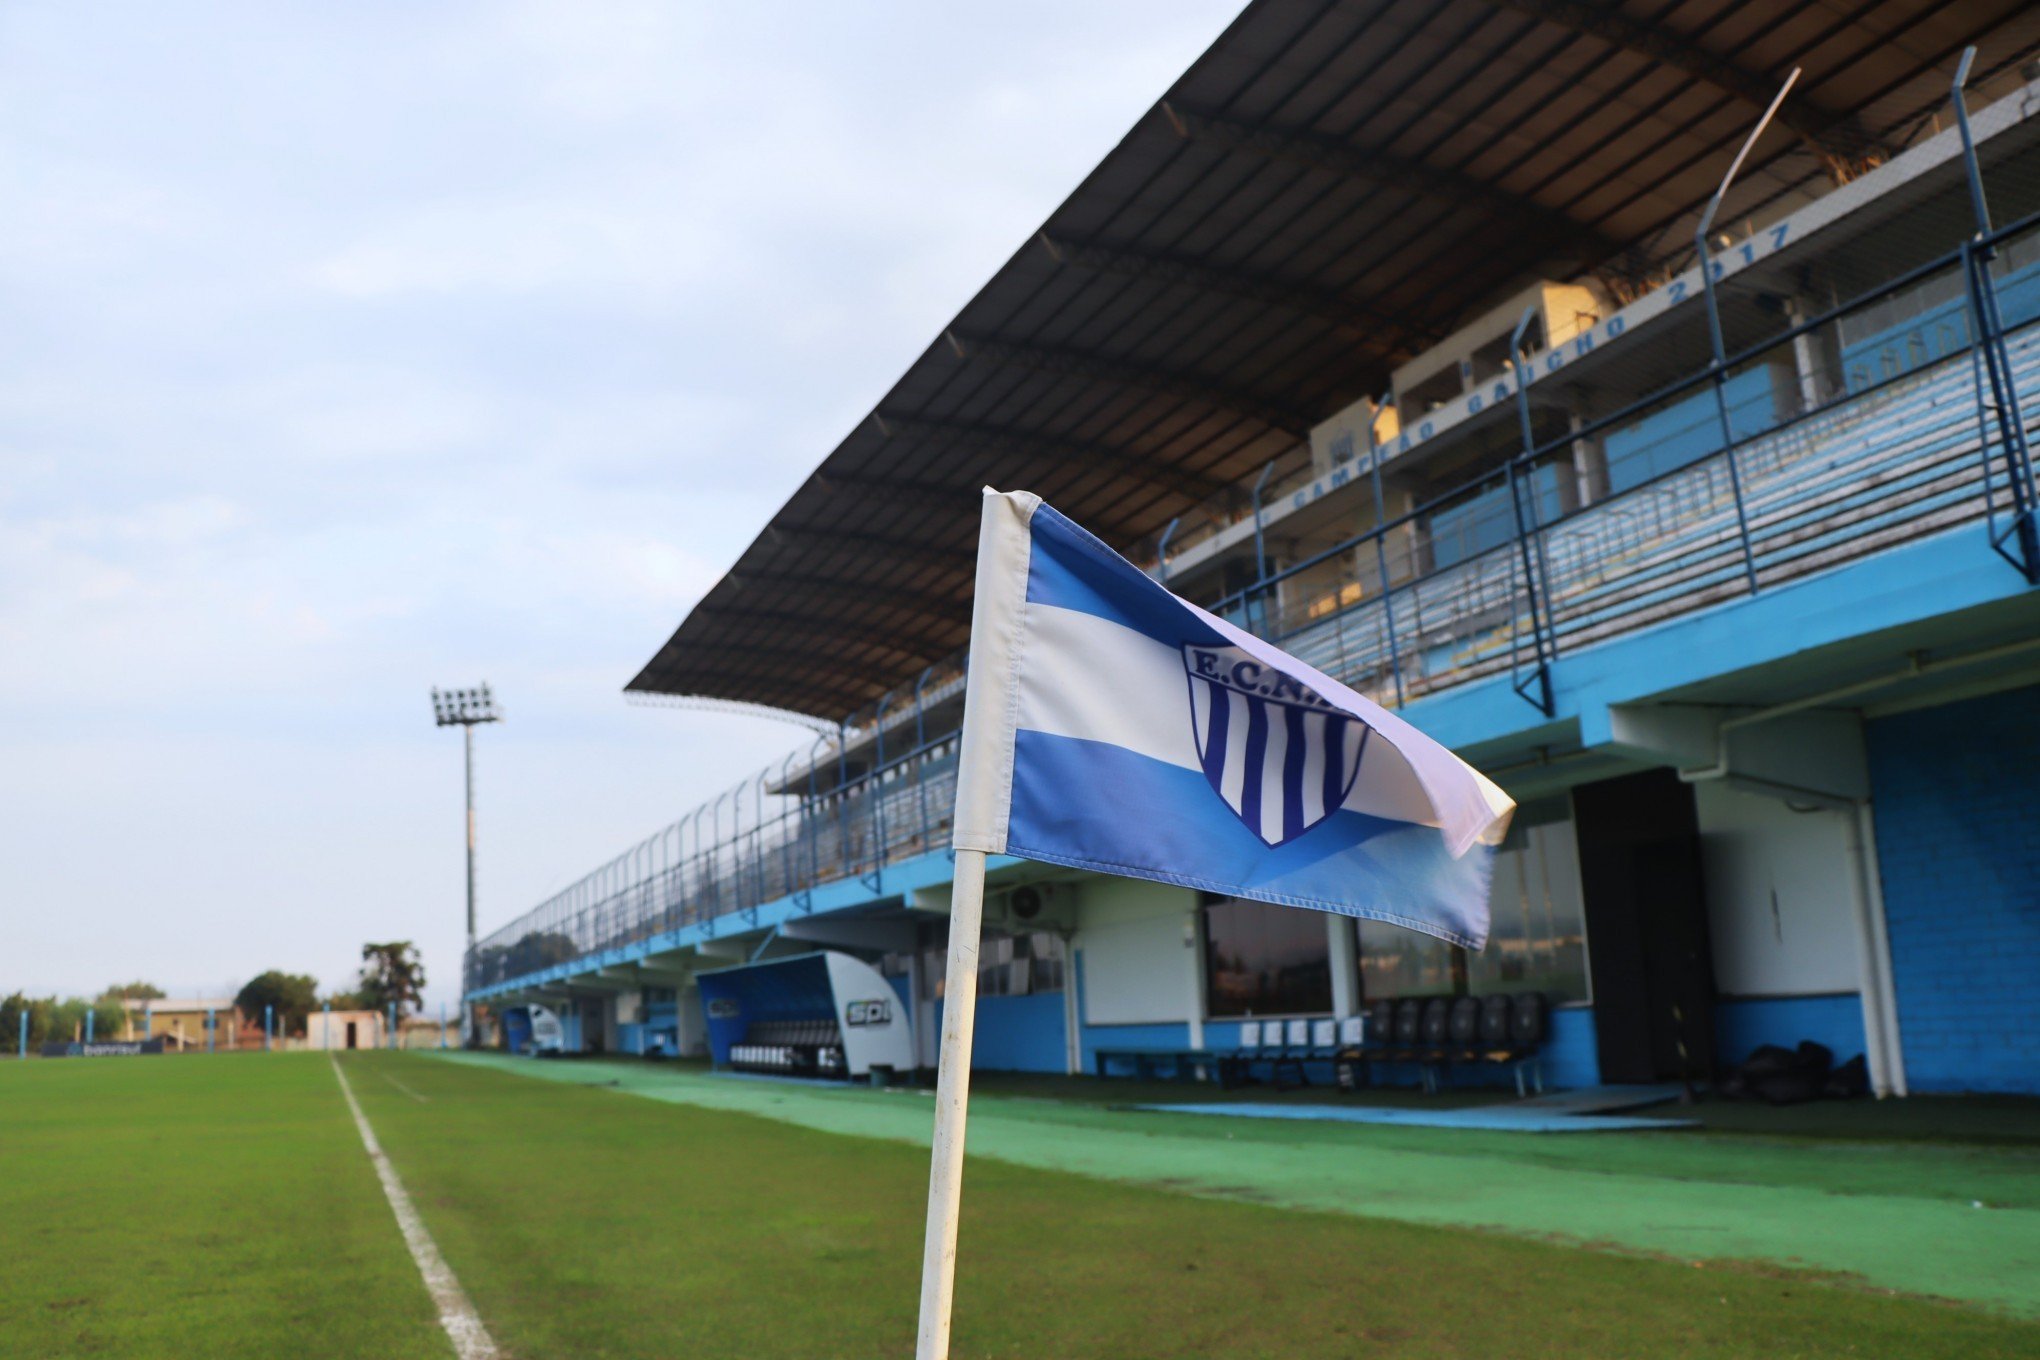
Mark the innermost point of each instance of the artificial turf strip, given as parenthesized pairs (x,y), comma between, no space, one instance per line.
(1899,1217)
(587,1224)
(196,1206)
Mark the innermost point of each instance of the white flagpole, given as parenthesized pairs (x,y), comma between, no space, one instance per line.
(952,1097)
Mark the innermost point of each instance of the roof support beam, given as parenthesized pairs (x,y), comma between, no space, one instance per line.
(1356,318)
(910,549)
(945,606)
(1064,359)
(784,659)
(907,642)
(1836,138)
(1389,171)
(1007,442)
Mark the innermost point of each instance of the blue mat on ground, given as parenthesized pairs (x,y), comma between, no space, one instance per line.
(832,1083)
(1503,1118)
(1600,1099)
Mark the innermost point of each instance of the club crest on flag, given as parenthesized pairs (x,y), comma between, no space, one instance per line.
(1280,756)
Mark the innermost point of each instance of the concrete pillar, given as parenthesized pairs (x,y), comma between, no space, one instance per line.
(1342,937)
(1884,1051)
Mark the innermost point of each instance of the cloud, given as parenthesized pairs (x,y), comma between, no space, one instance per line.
(353,350)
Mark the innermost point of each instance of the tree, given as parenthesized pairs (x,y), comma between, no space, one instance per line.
(392,974)
(135,991)
(294,995)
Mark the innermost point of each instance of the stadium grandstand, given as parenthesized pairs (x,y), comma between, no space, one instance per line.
(1414,338)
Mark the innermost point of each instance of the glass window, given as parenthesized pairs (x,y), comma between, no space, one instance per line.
(1537,939)
(1261,959)
(1397,962)
(1020,965)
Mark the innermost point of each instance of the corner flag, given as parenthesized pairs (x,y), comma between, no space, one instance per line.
(1111,726)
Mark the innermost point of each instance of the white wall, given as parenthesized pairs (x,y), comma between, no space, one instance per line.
(1779,901)
(1137,967)
(692,1037)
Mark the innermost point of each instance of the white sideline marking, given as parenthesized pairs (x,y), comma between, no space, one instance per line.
(422,1100)
(471,1340)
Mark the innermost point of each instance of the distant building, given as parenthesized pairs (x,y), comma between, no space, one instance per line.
(344,1029)
(183,1023)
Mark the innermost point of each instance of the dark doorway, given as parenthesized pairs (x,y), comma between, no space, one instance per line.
(1647,947)
(350,1034)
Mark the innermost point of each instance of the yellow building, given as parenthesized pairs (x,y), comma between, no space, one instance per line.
(182,1022)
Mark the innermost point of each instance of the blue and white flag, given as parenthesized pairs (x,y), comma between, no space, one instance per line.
(1109,725)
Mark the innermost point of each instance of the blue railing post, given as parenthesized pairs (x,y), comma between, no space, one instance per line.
(212,1025)
(1260,544)
(786,856)
(21,1050)
(876,781)
(1162,550)
(811,826)
(90,1017)
(843,793)
(391,1041)
(921,756)
(1990,359)
(1719,367)
(1381,541)
(268,1020)
(1534,565)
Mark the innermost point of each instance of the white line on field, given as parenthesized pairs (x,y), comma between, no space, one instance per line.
(471,1340)
(422,1100)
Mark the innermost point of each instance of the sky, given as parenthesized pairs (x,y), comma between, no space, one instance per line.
(349,350)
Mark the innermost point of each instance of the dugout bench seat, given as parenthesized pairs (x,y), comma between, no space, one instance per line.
(1436,1034)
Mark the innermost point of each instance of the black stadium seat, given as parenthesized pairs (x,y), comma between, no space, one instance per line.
(1409,1024)
(1380,1024)
(1463,1026)
(1527,1026)
(1496,1016)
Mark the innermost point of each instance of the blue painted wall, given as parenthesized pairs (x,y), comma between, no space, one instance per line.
(1690,429)
(1572,1057)
(1936,333)
(1957,795)
(1489,520)
(1742,1024)
(1170,1035)
(1016,1033)
(1019,1033)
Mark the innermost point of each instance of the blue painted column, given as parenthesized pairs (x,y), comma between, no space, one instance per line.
(90,1017)
(391,1040)
(24,1032)
(148,1020)
(212,1025)
(268,1022)
(326,1031)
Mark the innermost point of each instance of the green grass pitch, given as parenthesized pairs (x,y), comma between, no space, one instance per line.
(224,1207)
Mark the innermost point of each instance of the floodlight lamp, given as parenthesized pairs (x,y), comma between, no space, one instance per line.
(464,707)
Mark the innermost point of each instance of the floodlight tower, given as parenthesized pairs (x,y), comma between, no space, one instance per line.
(465,709)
